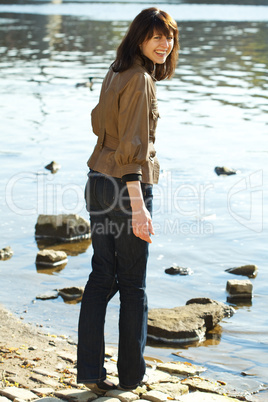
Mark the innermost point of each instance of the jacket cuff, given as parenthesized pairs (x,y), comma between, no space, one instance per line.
(130,168)
(131,177)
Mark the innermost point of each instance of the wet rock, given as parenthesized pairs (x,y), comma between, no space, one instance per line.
(224,171)
(72,293)
(176,270)
(239,289)
(48,295)
(6,253)
(53,167)
(181,368)
(187,323)
(51,258)
(246,270)
(62,227)
(202,384)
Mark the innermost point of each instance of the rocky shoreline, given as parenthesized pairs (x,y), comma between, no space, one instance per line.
(38,366)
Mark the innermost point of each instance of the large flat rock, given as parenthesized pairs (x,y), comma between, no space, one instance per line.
(187,323)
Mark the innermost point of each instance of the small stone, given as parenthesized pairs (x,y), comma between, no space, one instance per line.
(6,253)
(155,396)
(17,393)
(224,171)
(72,293)
(51,258)
(181,368)
(53,167)
(32,348)
(246,270)
(48,295)
(176,270)
(124,396)
(239,289)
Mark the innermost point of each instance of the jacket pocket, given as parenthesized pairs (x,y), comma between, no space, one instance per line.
(154,115)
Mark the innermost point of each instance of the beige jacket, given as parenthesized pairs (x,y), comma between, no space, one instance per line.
(125,120)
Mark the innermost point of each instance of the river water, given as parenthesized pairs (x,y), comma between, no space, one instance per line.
(213,113)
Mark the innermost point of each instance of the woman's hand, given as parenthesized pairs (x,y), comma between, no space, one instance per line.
(141,219)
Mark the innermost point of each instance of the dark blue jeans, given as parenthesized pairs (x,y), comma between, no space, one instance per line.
(118,264)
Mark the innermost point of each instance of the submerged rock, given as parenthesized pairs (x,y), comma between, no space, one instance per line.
(62,227)
(53,167)
(224,171)
(51,258)
(246,270)
(239,289)
(187,323)
(176,270)
(6,253)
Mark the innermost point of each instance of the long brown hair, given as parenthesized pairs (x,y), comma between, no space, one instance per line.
(147,22)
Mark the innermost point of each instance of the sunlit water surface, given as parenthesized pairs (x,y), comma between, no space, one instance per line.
(213,113)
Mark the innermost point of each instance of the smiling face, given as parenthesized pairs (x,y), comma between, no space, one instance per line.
(158,47)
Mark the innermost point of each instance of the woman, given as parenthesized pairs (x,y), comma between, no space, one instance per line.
(123,168)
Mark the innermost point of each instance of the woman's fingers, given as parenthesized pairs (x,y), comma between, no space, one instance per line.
(143,229)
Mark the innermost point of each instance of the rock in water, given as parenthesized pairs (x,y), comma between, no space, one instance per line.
(73,293)
(6,253)
(239,290)
(53,167)
(246,270)
(62,227)
(178,271)
(224,171)
(187,323)
(51,258)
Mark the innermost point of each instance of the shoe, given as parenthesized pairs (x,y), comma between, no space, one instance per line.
(101,387)
(140,384)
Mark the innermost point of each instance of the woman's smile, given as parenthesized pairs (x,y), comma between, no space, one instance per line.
(157,48)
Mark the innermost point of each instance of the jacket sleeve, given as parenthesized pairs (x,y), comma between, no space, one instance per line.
(133,125)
